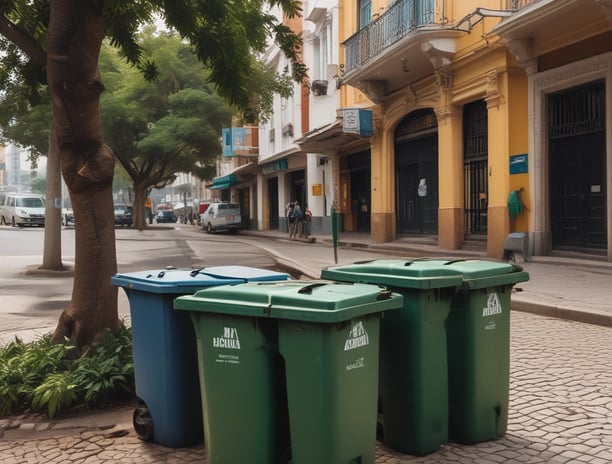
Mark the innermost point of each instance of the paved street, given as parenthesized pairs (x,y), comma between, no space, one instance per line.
(560,390)
(560,412)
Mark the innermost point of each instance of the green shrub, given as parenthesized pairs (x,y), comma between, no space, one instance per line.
(47,378)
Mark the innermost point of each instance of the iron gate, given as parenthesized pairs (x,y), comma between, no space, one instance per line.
(475,161)
(577,167)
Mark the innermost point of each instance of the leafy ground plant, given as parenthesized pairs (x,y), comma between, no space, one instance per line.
(46,377)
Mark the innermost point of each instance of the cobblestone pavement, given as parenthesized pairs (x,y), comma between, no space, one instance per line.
(560,412)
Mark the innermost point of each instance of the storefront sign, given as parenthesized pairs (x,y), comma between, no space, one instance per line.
(317,190)
(358,121)
(280,165)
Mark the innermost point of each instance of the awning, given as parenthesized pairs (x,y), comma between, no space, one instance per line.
(223,182)
(330,137)
(291,151)
(245,171)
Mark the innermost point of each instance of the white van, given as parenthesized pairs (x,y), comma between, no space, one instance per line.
(23,209)
(221,216)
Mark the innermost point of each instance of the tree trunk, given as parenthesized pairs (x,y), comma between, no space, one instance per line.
(140,197)
(76,30)
(52,251)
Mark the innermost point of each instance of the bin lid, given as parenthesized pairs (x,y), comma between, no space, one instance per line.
(481,273)
(403,273)
(249,274)
(186,281)
(312,301)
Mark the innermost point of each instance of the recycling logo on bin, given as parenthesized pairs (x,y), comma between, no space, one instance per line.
(228,340)
(357,337)
(492,308)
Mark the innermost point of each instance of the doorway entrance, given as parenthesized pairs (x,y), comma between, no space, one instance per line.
(475,162)
(577,166)
(273,213)
(416,171)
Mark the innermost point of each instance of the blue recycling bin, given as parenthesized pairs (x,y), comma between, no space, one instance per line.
(164,348)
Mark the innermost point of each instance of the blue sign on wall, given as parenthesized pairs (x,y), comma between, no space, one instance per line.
(518,164)
(358,121)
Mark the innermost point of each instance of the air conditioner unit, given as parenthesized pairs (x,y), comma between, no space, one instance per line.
(319,88)
(332,71)
(271,135)
(288,129)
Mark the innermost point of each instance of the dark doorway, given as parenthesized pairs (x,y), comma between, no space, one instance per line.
(273,214)
(475,162)
(298,187)
(359,167)
(577,168)
(416,170)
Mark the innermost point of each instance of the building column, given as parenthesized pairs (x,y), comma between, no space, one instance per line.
(498,221)
(382,216)
(450,169)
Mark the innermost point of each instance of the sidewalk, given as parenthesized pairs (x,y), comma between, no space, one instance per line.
(541,430)
(576,288)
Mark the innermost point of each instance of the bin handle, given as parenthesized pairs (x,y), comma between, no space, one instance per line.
(196,271)
(458,260)
(384,295)
(308,288)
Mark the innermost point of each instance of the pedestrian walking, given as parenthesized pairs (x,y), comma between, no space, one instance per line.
(297,220)
(306,222)
(290,218)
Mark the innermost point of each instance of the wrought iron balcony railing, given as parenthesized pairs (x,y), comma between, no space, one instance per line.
(518,4)
(403,17)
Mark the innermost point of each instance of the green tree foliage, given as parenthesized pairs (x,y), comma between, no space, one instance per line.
(225,36)
(160,128)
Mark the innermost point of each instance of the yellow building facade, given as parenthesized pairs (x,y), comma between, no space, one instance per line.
(456,154)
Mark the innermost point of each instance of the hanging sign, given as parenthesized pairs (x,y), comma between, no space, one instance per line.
(358,121)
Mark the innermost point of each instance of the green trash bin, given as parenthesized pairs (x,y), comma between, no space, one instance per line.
(413,354)
(478,331)
(288,372)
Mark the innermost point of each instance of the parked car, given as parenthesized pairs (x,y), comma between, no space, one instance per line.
(221,217)
(123,215)
(165,215)
(23,210)
(201,208)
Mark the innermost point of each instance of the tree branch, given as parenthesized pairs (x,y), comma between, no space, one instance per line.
(23,41)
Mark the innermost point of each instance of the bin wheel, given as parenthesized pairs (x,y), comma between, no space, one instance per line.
(286,457)
(143,423)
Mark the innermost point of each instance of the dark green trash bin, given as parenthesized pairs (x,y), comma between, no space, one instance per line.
(289,371)
(413,354)
(479,349)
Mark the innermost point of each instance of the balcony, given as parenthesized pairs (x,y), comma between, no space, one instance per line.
(556,31)
(405,43)
(518,4)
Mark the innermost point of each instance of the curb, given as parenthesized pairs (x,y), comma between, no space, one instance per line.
(562,313)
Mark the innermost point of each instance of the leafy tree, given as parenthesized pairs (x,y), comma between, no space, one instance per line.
(38,185)
(60,40)
(170,125)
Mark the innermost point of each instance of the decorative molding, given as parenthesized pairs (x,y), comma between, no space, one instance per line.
(522,49)
(439,51)
(443,79)
(409,97)
(494,96)
(595,65)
